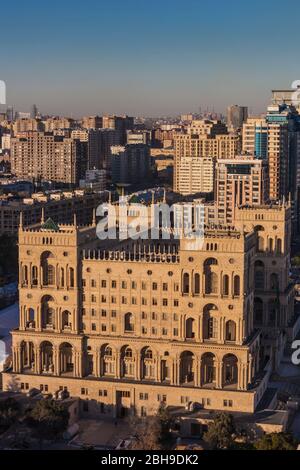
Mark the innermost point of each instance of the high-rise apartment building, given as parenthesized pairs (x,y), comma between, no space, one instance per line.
(120,124)
(236,116)
(207,142)
(27,124)
(130,164)
(92,122)
(55,123)
(93,138)
(42,155)
(139,137)
(255,137)
(195,175)
(239,181)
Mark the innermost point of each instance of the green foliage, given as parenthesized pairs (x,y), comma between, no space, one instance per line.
(147,433)
(47,419)
(10,411)
(220,432)
(165,419)
(296,261)
(276,441)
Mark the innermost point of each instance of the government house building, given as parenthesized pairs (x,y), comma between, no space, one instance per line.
(132,324)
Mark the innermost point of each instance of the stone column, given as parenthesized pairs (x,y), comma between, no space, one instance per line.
(201,328)
(96,364)
(178,363)
(250,369)
(118,365)
(56,360)
(137,366)
(158,369)
(219,374)
(197,371)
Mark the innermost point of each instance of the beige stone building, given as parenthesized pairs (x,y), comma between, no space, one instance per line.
(206,143)
(140,323)
(43,155)
(239,181)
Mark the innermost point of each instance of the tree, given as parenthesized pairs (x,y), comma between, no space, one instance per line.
(47,419)
(147,433)
(165,421)
(10,411)
(276,441)
(220,432)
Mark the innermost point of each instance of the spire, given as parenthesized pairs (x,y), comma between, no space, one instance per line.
(75,220)
(290,198)
(43,215)
(165,198)
(109,197)
(94,217)
(21,220)
(153,199)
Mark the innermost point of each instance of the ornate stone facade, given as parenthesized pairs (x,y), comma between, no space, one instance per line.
(140,324)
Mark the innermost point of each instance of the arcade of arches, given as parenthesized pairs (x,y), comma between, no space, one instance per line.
(207,370)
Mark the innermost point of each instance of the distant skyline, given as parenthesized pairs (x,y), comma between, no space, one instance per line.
(152,59)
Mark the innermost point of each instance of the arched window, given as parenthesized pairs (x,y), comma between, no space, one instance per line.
(208,368)
(274,281)
(211,278)
(66,319)
(71,277)
(236,285)
(48,270)
(279,246)
(225,284)
(49,275)
(211,283)
(186,283)
(108,351)
(271,244)
(34,275)
(197,283)
(189,328)
(230,369)
(272,312)
(129,324)
(148,365)
(260,243)
(259,275)
(210,322)
(25,275)
(128,352)
(62,277)
(187,366)
(258,311)
(230,330)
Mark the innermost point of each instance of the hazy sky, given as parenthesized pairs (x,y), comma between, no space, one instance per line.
(147,57)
